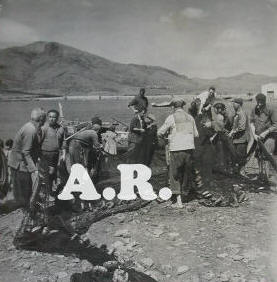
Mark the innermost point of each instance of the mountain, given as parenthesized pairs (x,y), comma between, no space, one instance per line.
(49,67)
(57,69)
(240,84)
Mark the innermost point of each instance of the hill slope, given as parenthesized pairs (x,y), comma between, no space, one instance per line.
(54,68)
(58,68)
(239,84)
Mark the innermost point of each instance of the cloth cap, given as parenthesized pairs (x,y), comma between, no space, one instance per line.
(238,101)
(177,102)
(219,105)
(96,120)
(261,97)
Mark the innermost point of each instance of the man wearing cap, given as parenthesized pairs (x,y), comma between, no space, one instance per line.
(82,144)
(263,122)
(182,131)
(139,102)
(239,133)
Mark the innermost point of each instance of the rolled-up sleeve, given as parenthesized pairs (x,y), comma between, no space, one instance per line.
(195,131)
(252,116)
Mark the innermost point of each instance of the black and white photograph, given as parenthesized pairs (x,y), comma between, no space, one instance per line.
(138,140)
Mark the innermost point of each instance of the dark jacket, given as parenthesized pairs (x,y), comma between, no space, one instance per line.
(139,102)
(136,136)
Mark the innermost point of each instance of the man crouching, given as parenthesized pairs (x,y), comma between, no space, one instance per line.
(182,131)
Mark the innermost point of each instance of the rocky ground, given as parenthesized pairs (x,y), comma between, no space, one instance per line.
(197,243)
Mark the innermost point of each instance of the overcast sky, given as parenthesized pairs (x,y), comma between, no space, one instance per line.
(203,38)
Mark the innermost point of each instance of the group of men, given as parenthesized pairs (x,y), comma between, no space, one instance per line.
(38,148)
(41,143)
(190,135)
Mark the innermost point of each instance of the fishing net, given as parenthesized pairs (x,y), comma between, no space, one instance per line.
(3,175)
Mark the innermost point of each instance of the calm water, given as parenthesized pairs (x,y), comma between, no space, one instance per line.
(14,114)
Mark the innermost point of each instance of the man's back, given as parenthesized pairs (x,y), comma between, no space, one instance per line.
(25,148)
(182,129)
(89,137)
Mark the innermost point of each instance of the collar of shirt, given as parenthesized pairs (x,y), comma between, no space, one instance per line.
(179,110)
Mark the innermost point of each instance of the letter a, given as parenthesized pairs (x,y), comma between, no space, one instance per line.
(79,181)
(128,182)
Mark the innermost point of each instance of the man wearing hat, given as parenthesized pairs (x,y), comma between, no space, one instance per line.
(182,130)
(83,143)
(239,133)
(263,122)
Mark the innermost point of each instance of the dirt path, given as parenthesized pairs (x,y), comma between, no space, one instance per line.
(195,244)
(202,244)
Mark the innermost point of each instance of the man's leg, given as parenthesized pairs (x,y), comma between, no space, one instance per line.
(22,188)
(186,173)
(176,175)
(26,188)
(241,150)
(269,170)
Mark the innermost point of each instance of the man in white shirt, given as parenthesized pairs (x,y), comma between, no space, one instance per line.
(206,98)
(182,131)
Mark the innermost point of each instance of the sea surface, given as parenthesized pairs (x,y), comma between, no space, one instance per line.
(14,114)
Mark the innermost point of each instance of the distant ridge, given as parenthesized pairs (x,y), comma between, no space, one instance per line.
(54,68)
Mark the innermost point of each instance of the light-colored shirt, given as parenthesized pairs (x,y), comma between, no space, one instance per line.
(110,142)
(203,98)
(182,131)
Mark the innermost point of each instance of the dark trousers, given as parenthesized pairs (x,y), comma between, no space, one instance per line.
(134,153)
(180,169)
(22,187)
(241,152)
(79,153)
(49,163)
